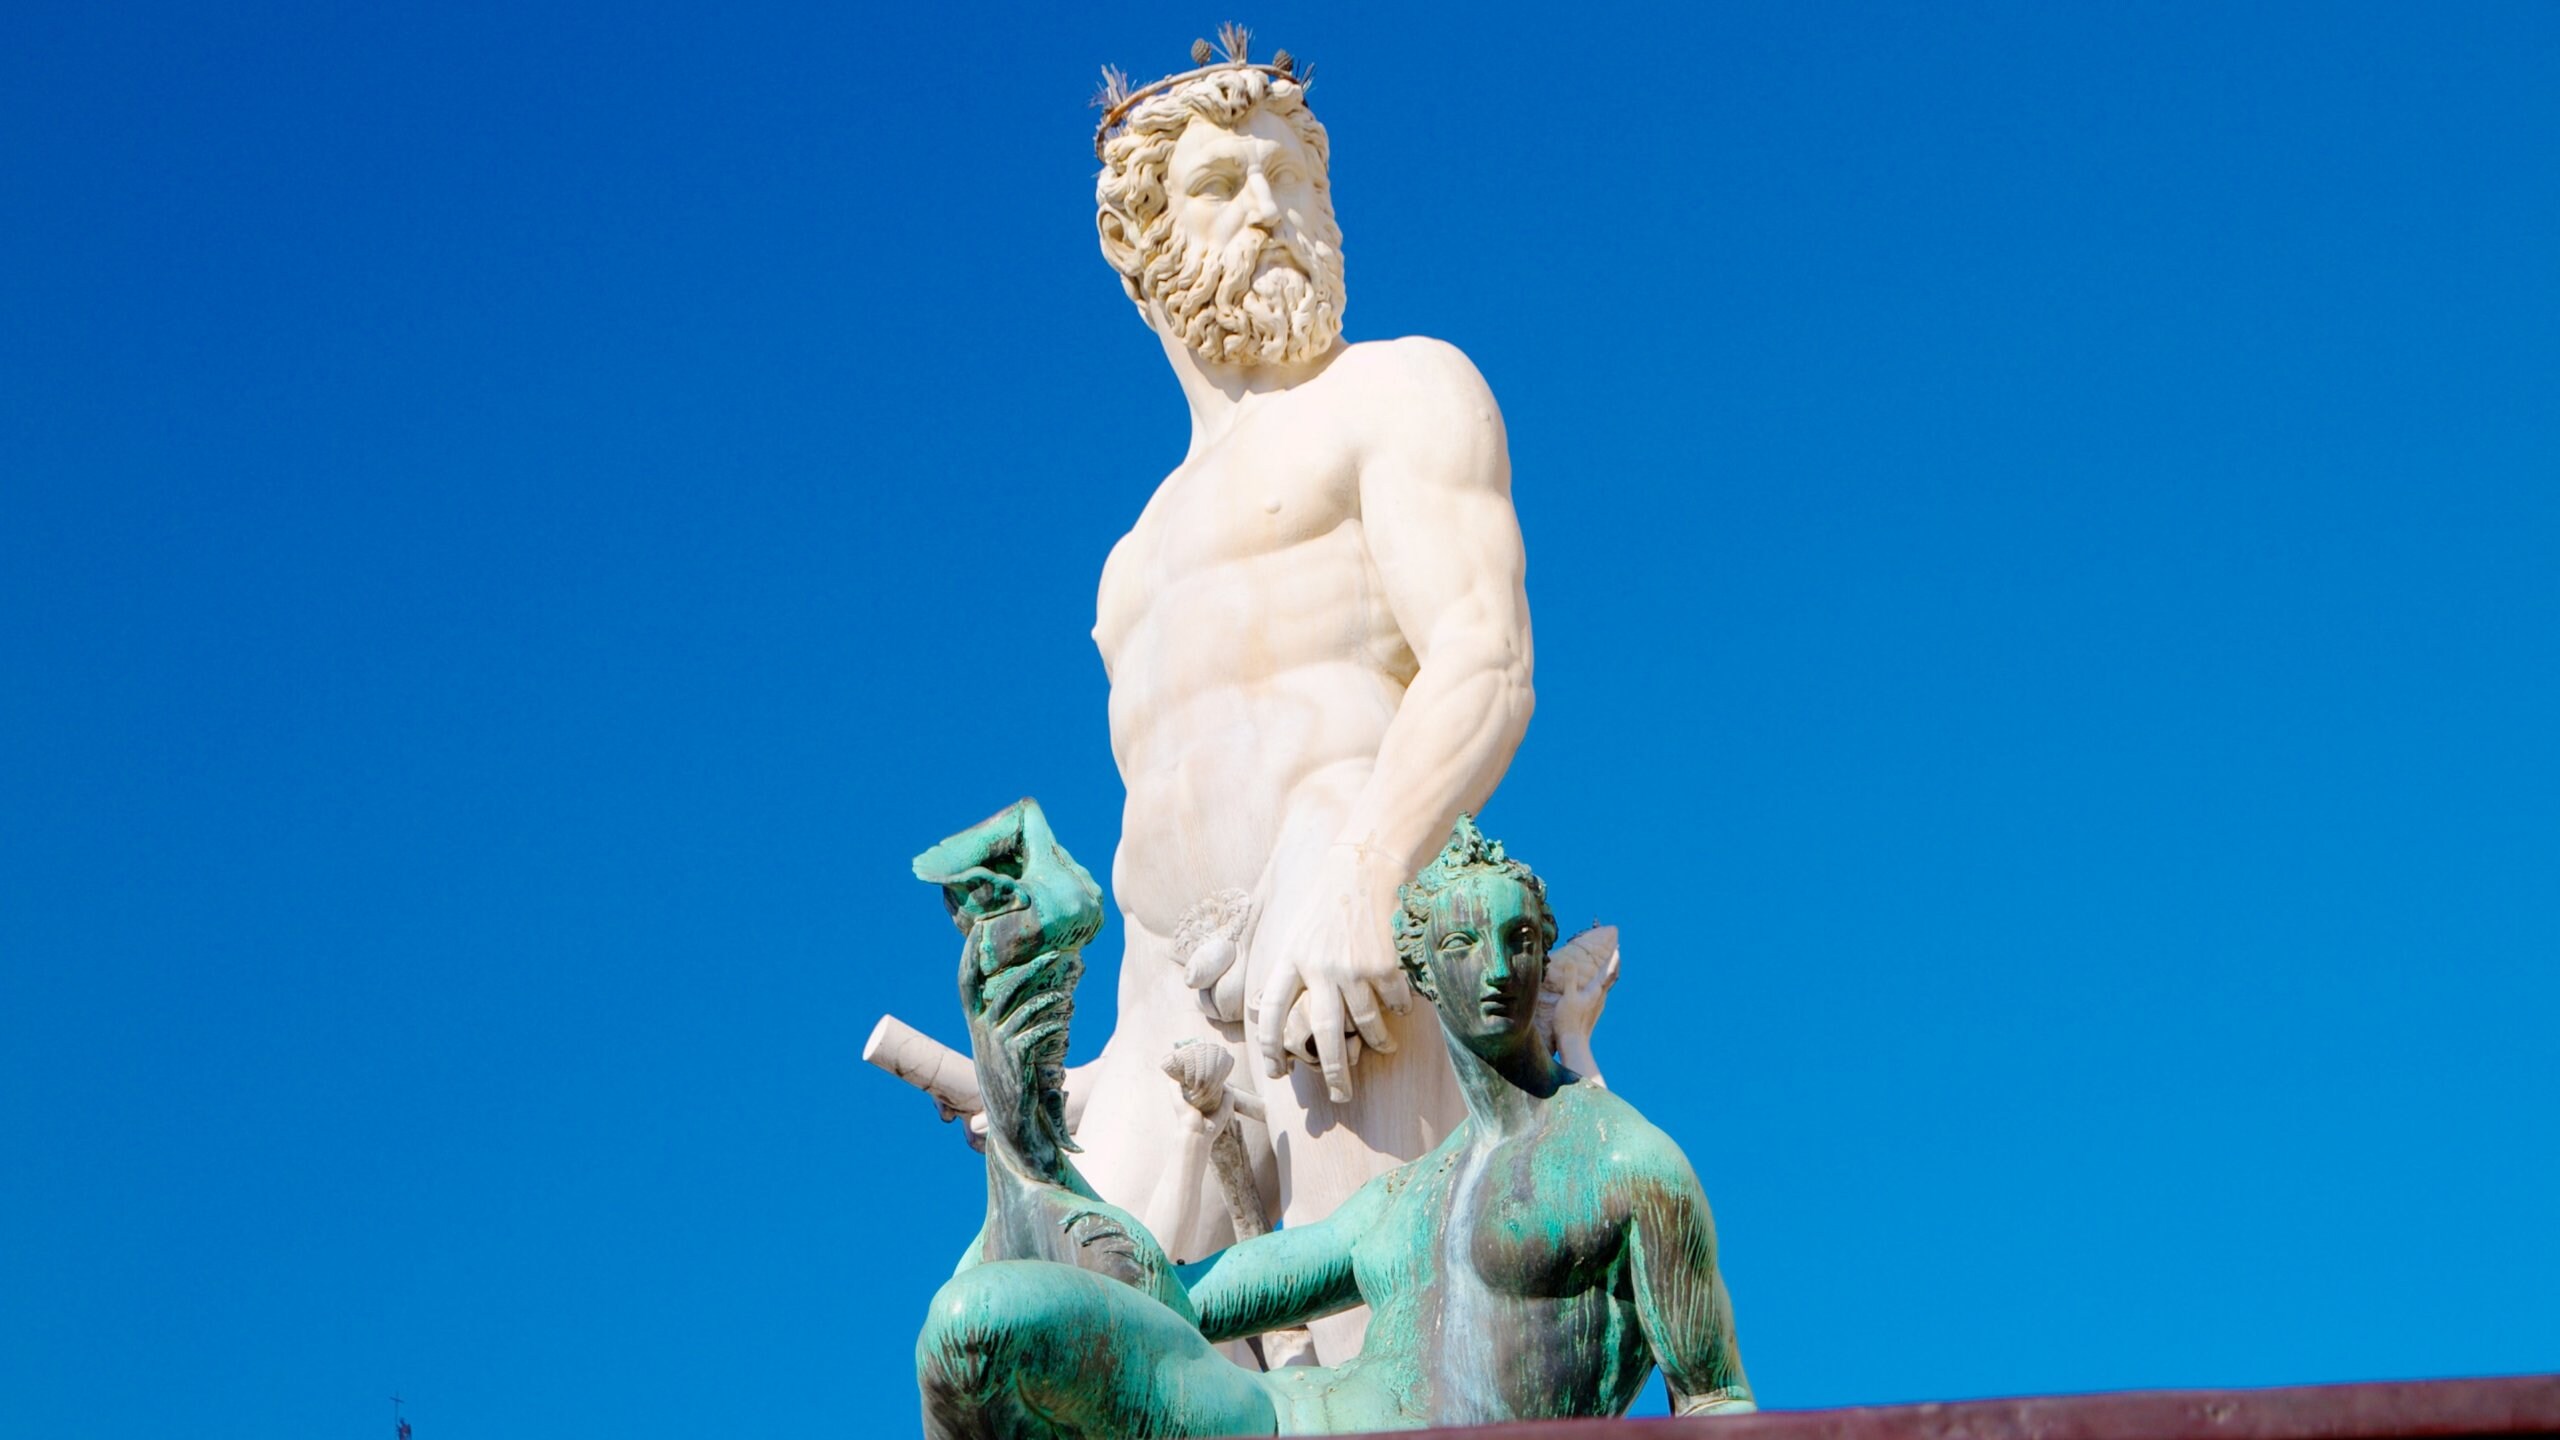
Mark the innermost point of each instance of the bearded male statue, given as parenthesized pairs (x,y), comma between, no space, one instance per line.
(1317,638)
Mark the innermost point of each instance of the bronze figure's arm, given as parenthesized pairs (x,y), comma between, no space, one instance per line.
(1289,1276)
(1680,1297)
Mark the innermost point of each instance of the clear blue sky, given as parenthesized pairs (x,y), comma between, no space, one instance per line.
(2045,538)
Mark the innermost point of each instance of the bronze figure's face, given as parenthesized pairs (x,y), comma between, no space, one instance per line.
(1485,955)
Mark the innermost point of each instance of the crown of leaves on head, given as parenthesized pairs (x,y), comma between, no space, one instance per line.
(1115,99)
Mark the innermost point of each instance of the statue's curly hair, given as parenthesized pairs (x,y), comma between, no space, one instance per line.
(1469,850)
(1209,306)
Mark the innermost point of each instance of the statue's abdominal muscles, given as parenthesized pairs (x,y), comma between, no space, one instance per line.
(1251,681)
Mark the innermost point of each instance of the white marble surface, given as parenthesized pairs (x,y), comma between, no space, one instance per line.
(1318,640)
(1317,636)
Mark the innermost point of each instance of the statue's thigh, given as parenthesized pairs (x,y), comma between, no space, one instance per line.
(1031,1348)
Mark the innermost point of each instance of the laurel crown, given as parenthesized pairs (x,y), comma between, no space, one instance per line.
(1115,99)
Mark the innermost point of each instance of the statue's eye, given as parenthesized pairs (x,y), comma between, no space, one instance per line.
(1215,187)
(1458,940)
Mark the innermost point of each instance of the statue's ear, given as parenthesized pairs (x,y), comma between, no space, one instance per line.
(1416,975)
(1119,245)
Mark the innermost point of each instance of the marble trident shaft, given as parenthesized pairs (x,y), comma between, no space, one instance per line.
(1201,1069)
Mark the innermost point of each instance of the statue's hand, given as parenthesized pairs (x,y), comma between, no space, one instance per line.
(1201,1070)
(1334,978)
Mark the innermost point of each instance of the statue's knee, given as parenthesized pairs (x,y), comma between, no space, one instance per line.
(969,1320)
(988,1321)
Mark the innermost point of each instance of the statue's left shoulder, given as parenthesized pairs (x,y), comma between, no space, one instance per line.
(1424,410)
(1415,370)
(1629,1148)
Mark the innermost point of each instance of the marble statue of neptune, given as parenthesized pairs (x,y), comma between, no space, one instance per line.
(1317,639)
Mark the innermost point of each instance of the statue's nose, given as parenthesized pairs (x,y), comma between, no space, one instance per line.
(1261,206)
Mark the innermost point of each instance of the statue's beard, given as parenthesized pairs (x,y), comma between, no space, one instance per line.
(1244,304)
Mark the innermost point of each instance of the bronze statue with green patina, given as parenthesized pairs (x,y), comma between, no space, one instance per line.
(1025,909)
(1539,1263)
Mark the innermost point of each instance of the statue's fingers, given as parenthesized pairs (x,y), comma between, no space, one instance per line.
(1362,1001)
(1297,1037)
(1324,1018)
(1270,1016)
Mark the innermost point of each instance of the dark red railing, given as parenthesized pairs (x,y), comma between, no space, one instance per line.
(2505,1406)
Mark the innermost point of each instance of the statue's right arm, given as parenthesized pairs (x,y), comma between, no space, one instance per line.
(1288,1277)
(1444,545)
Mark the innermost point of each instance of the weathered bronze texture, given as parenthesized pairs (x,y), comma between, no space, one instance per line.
(1538,1264)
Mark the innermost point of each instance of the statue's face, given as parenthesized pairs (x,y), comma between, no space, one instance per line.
(1486,952)
(1256,276)
(1221,183)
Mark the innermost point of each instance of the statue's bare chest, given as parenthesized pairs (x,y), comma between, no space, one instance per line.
(1520,1220)
(1546,1238)
(1258,493)
(1271,500)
